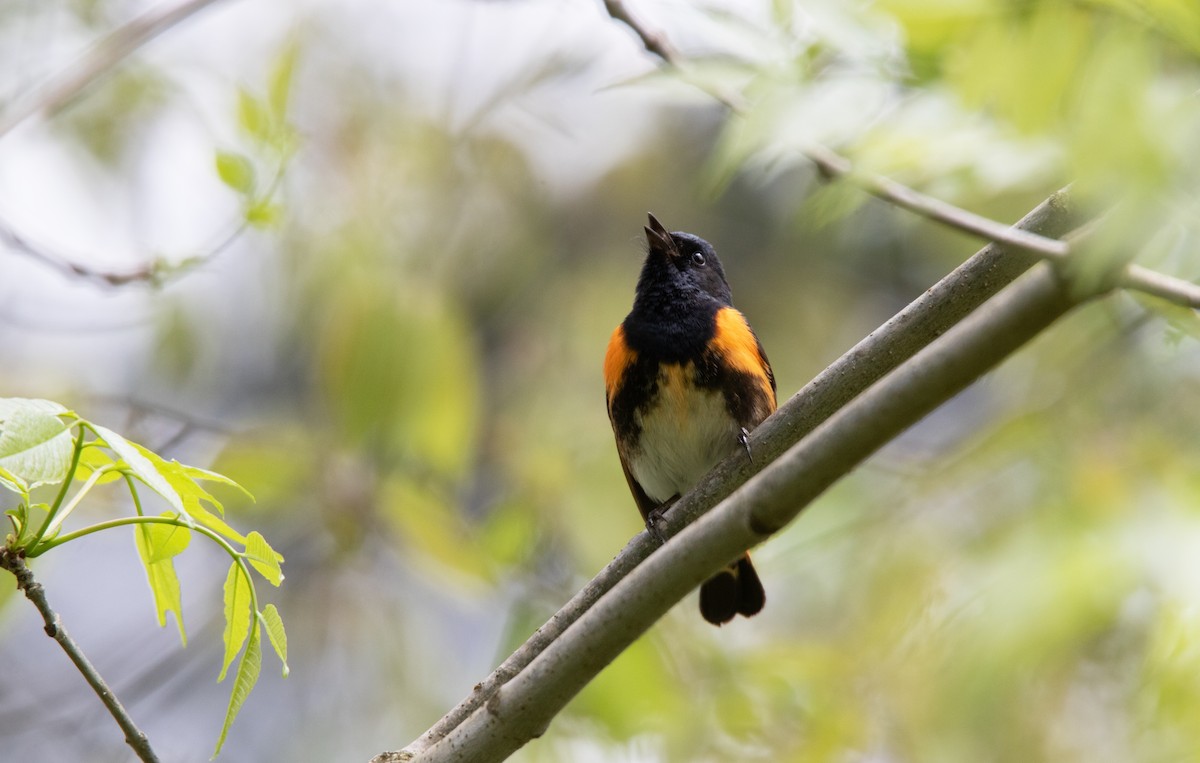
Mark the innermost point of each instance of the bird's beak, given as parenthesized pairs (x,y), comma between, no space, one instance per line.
(660,239)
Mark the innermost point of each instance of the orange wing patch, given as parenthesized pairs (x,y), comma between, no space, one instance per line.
(618,358)
(739,347)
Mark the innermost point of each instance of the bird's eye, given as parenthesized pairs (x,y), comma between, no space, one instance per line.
(697,258)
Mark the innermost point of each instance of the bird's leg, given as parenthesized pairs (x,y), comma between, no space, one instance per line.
(744,439)
(656,520)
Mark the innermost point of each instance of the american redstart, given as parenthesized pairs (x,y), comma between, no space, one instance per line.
(686,379)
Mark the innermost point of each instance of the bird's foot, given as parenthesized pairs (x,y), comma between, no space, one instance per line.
(656,521)
(744,439)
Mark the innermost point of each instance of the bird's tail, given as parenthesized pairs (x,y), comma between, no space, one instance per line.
(735,590)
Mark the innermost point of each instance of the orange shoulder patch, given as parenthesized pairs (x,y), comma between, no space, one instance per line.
(739,347)
(618,358)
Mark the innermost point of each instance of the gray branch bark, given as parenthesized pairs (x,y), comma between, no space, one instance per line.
(134,736)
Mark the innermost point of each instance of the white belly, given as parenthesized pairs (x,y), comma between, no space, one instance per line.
(683,436)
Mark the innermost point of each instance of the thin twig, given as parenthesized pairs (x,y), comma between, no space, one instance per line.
(61,88)
(1160,285)
(833,165)
(156,272)
(18,243)
(15,563)
(145,408)
(656,43)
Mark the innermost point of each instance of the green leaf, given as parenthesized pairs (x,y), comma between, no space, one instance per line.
(236,171)
(264,214)
(237,615)
(10,405)
(247,676)
(194,497)
(279,86)
(166,540)
(253,116)
(160,573)
(198,474)
(189,490)
(275,634)
(264,558)
(31,518)
(204,517)
(36,446)
(20,519)
(147,465)
(14,483)
(94,458)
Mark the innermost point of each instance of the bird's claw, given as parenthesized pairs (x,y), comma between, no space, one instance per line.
(744,439)
(656,525)
(656,521)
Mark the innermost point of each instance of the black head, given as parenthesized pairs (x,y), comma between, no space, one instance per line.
(682,269)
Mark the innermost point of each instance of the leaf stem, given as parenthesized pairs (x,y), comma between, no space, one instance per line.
(62,493)
(141,520)
(133,493)
(61,516)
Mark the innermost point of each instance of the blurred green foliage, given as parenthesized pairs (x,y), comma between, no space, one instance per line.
(1013,581)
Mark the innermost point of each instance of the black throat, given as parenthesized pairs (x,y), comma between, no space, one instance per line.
(671,325)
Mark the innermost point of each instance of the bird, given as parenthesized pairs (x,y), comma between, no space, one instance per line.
(686,380)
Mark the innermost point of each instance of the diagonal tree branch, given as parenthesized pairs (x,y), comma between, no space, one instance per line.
(15,563)
(523,708)
(914,327)
(155,272)
(61,88)
(833,165)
